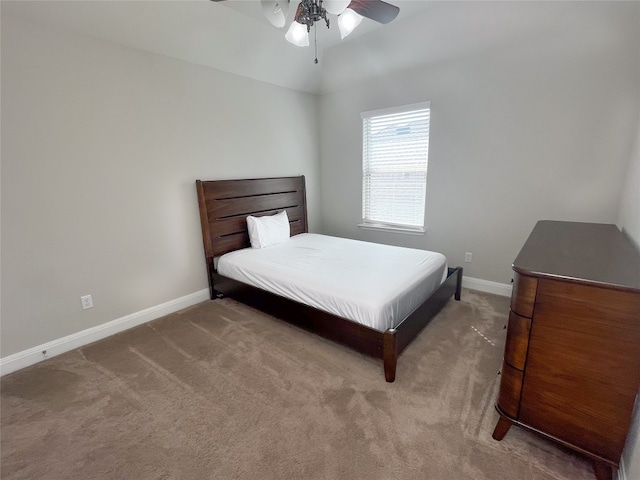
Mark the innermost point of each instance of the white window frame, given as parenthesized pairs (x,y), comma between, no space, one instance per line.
(367,221)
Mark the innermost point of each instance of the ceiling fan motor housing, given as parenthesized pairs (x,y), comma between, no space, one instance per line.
(311,11)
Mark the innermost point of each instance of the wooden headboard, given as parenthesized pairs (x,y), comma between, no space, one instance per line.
(225,204)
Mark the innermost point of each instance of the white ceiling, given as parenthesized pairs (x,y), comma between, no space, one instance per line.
(233,36)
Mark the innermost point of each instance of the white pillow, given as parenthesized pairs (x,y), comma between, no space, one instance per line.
(265,231)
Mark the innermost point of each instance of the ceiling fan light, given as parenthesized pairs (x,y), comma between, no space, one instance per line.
(348,21)
(336,7)
(275,11)
(298,35)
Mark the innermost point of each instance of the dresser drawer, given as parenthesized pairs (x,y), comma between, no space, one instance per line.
(510,388)
(515,350)
(523,297)
(583,369)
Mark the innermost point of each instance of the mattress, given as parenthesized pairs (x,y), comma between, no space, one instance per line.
(372,284)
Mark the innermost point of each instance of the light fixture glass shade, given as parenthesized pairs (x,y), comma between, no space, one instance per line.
(298,35)
(336,7)
(275,11)
(348,21)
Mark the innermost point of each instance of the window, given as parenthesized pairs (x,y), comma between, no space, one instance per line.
(395,151)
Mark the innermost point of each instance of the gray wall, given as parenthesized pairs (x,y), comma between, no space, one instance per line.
(629,221)
(544,127)
(629,213)
(539,127)
(101,146)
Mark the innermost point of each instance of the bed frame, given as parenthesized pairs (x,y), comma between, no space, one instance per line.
(224,206)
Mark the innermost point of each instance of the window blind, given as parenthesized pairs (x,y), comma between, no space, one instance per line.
(395,158)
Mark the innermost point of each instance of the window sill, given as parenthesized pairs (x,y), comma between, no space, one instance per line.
(386,228)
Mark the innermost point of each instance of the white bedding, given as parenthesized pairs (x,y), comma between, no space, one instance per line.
(373,284)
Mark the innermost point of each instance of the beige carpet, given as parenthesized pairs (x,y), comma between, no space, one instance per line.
(220,391)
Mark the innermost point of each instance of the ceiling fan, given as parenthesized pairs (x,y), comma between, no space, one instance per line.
(349,12)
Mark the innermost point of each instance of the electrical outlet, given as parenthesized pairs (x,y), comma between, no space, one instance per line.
(87,301)
(467,257)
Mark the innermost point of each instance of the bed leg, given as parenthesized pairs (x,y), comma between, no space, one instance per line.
(459,284)
(212,291)
(390,354)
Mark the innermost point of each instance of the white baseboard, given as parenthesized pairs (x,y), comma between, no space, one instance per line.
(37,354)
(487,286)
(621,473)
(23,359)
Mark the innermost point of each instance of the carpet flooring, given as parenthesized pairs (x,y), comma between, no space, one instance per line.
(222,391)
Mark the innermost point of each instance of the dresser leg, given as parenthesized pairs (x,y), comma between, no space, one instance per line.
(602,470)
(502,427)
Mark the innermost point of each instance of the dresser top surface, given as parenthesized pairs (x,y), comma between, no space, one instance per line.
(584,252)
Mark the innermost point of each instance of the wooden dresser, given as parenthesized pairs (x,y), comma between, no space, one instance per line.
(571,367)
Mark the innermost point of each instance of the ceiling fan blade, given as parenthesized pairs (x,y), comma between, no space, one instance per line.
(377,10)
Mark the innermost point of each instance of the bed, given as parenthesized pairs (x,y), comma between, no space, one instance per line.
(385,333)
